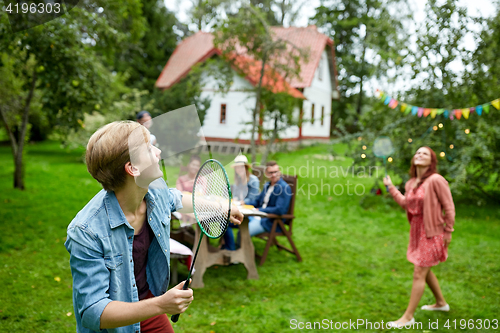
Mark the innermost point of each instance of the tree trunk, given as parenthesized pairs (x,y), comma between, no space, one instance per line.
(270,142)
(363,61)
(360,95)
(18,147)
(257,109)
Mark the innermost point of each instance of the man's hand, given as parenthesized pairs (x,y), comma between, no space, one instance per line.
(175,300)
(236,216)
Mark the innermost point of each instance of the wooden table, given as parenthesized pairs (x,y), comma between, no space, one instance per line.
(209,255)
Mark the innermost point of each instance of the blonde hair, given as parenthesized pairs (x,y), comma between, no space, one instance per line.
(238,179)
(108,152)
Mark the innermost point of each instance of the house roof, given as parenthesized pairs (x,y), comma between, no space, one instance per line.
(199,47)
(310,39)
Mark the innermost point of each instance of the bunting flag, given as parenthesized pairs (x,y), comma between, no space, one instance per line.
(403,107)
(433,112)
(496,103)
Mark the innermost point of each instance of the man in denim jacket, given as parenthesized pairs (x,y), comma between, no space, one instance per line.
(274,199)
(120,284)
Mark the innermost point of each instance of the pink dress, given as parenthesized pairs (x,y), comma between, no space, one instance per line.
(422,251)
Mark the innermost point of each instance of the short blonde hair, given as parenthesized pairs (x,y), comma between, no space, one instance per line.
(108,152)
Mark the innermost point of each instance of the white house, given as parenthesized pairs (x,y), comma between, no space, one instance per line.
(225,119)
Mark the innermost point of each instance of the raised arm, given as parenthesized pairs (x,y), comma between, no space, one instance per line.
(396,194)
(187,207)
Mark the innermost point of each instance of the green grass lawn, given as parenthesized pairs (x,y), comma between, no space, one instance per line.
(354,259)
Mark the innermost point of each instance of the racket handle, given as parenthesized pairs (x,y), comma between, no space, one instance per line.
(175,317)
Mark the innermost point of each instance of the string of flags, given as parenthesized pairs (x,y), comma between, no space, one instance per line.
(433,112)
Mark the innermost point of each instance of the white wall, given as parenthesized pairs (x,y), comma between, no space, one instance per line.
(240,102)
(239,105)
(319,93)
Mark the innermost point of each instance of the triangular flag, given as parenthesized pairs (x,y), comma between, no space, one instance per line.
(427,112)
(383,96)
(393,104)
(479,109)
(433,113)
(420,112)
(458,114)
(439,111)
(408,109)
(496,103)
(387,100)
(466,112)
(446,113)
(486,108)
(414,110)
(403,107)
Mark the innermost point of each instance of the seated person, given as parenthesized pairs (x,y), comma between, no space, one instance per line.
(274,199)
(185,183)
(244,190)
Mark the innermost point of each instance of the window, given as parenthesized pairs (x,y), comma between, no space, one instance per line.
(322,115)
(312,114)
(223,113)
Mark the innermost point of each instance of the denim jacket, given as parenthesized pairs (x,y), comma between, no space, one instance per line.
(250,191)
(278,204)
(100,242)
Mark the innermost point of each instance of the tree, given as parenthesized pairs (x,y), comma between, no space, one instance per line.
(247,41)
(144,60)
(279,109)
(468,149)
(369,40)
(57,68)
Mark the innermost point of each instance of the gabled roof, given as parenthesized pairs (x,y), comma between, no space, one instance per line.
(196,48)
(314,42)
(199,47)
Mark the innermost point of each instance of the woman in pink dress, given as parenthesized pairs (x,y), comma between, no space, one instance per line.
(427,196)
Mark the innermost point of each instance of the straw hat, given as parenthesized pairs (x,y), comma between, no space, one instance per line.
(240,160)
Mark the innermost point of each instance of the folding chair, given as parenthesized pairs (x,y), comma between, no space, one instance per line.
(270,237)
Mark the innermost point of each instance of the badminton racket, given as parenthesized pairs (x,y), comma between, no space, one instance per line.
(211,205)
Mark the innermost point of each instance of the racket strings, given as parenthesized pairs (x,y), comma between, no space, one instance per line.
(382,147)
(211,199)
